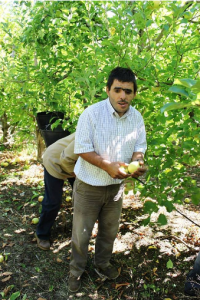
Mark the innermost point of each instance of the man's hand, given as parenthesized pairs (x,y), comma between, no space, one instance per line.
(113,169)
(140,171)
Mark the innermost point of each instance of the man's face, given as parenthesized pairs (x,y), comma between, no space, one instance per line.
(121,94)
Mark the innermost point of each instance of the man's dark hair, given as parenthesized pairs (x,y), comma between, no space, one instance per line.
(123,75)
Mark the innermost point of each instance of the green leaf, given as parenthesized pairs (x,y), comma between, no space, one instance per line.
(148,23)
(170,264)
(178,90)
(174,105)
(166,27)
(162,220)
(169,205)
(196,87)
(14,296)
(146,221)
(150,206)
(185,82)
(196,196)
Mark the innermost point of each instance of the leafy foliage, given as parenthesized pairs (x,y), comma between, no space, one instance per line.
(57,55)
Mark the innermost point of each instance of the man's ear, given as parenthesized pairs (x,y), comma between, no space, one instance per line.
(107,90)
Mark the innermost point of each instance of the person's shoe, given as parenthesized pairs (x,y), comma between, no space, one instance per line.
(74,283)
(192,284)
(109,272)
(43,244)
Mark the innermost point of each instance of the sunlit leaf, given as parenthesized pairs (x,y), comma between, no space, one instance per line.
(196,87)
(178,90)
(174,105)
(14,296)
(150,206)
(170,264)
(185,82)
(162,220)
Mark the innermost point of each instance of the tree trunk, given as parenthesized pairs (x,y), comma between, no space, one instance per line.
(5,127)
(40,145)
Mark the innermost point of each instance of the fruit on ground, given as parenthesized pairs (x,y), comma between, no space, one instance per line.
(4,164)
(1,258)
(68,198)
(40,198)
(133,166)
(35,220)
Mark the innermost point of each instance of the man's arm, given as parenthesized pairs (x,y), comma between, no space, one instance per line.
(112,168)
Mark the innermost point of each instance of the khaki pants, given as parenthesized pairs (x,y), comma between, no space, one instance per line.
(92,203)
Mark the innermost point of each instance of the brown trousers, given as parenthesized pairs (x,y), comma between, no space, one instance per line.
(92,203)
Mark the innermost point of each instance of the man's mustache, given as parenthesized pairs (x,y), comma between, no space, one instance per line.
(122,101)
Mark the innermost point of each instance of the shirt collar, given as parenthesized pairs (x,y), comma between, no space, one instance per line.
(113,112)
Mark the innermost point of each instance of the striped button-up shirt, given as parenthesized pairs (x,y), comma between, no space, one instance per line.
(114,138)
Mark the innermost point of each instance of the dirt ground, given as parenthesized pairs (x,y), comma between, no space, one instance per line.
(153,261)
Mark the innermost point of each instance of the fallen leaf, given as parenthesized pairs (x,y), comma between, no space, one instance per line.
(19,230)
(6,279)
(7,273)
(7,290)
(26,284)
(90,248)
(59,260)
(24,219)
(152,247)
(121,284)
(178,254)
(41,299)
(154,271)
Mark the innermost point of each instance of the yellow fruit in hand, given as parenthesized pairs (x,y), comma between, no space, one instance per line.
(133,166)
(35,220)
(124,169)
(40,198)
(1,258)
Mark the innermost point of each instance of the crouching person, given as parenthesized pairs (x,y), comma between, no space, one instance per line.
(59,161)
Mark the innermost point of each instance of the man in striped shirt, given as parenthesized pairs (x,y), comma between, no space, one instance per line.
(109,134)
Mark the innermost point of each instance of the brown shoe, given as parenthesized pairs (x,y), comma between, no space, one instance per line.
(74,283)
(43,244)
(109,272)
